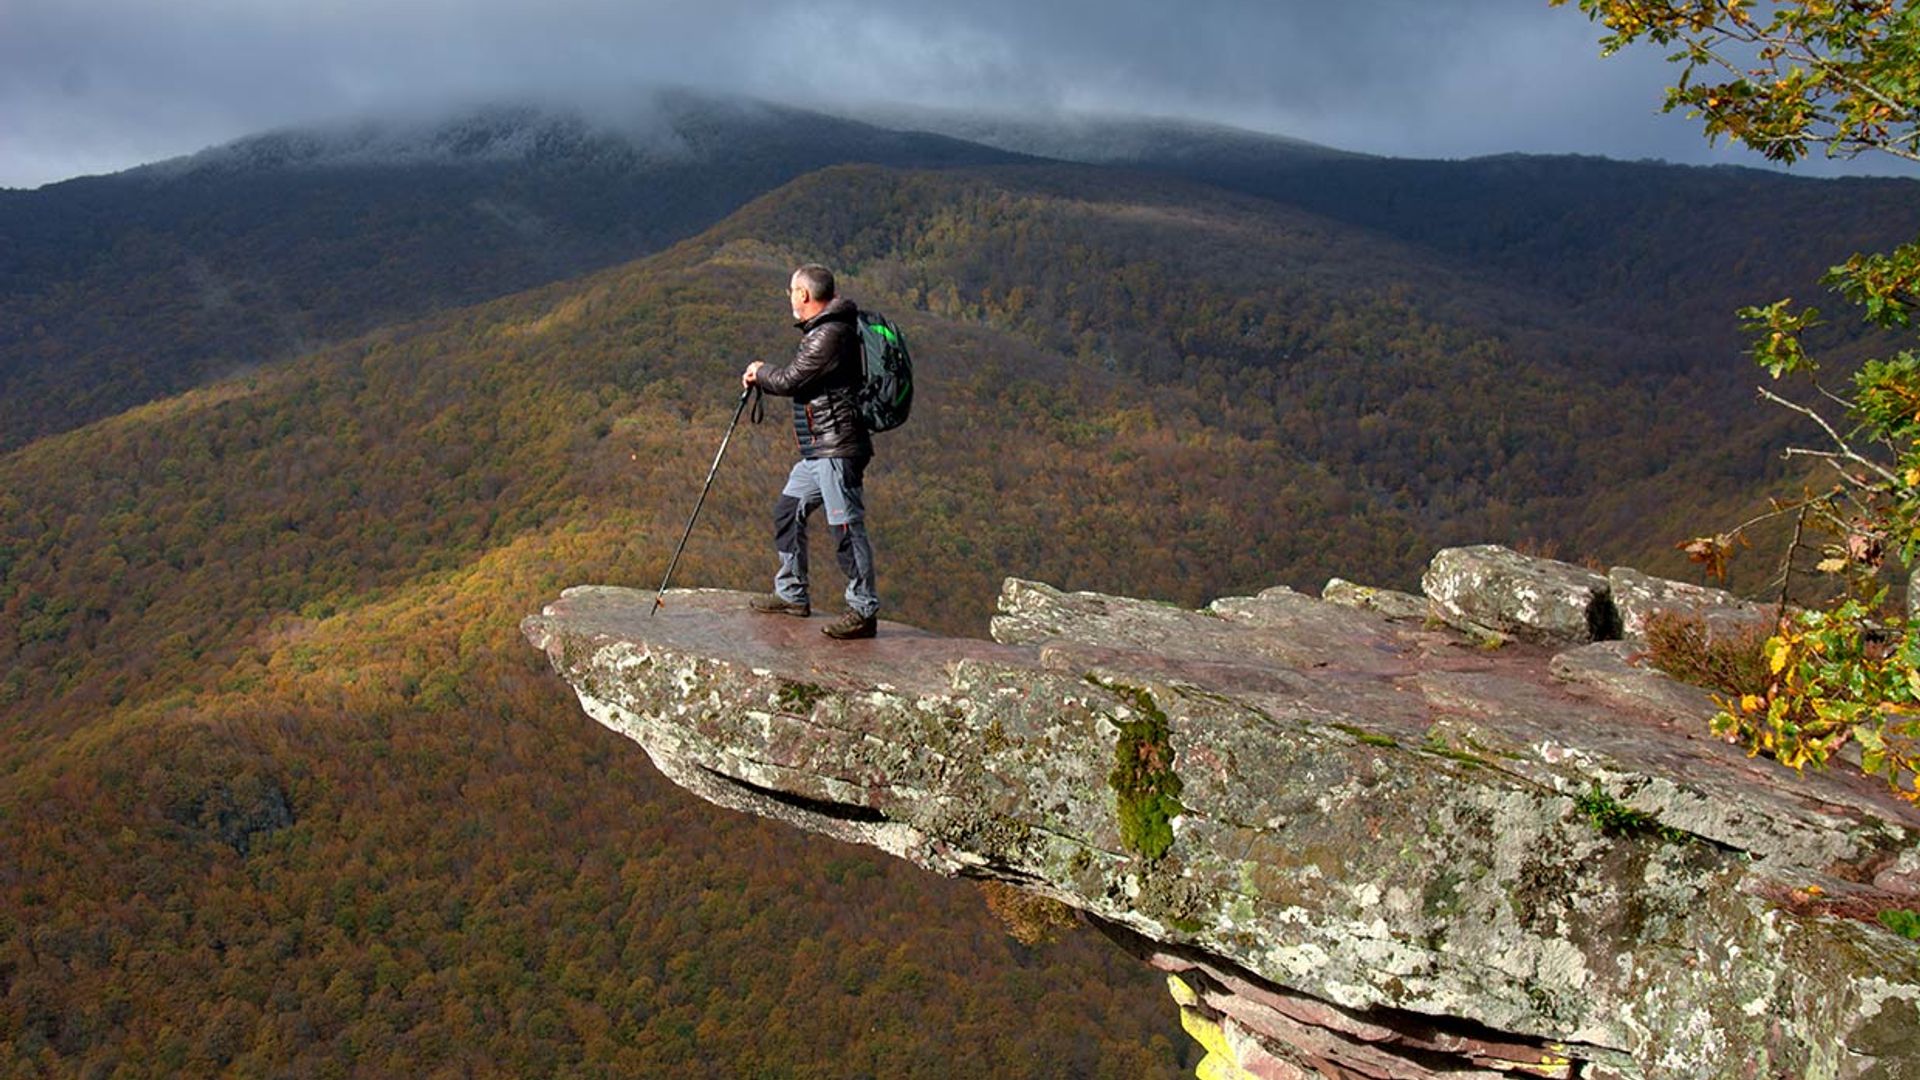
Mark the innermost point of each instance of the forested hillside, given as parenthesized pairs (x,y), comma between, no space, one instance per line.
(1664,248)
(120,289)
(283,790)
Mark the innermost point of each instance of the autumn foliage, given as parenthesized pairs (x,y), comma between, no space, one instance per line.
(284,792)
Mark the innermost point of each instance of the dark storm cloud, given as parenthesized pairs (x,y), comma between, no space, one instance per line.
(90,85)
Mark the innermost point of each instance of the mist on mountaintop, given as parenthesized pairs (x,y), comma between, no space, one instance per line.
(102,85)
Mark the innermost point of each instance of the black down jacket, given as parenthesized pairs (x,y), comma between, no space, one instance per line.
(824,382)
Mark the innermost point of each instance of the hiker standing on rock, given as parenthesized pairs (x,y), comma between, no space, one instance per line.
(824,380)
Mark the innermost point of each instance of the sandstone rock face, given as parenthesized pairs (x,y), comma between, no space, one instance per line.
(1636,596)
(1394,605)
(1366,847)
(1492,589)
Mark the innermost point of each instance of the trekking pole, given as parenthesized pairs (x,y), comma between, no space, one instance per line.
(742,407)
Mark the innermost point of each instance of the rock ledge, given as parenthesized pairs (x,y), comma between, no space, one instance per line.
(1361,845)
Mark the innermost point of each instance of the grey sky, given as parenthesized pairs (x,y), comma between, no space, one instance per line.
(97,85)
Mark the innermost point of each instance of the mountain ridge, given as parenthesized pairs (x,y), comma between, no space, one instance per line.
(115,290)
(118,289)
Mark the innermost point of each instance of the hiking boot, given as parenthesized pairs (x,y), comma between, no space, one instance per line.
(851,625)
(768,603)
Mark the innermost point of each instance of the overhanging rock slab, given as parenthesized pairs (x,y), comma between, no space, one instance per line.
(1371,823)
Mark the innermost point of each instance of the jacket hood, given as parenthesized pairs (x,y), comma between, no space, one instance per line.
(839,309)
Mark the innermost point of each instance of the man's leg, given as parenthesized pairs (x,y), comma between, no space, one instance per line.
(842,491)
(790,512)
(856,561)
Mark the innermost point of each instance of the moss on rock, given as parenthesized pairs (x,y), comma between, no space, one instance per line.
(1146,788)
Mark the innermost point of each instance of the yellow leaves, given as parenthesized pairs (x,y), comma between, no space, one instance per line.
(1778,652)
(1826,689)
(1795,755)
(1871,741)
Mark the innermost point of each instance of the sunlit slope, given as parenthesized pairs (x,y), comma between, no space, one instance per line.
(443,862)
(470,876)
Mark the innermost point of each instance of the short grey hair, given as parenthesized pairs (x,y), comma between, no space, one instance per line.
(817,279)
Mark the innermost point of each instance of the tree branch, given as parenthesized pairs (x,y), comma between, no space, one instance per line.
(1840,83)
(1847,449)
(1781,511)
(1786,565)
(1833,397)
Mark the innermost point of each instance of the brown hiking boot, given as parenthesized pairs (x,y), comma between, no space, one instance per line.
(767,603)
(851,625)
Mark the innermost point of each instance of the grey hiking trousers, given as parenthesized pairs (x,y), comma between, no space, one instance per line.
(835,483)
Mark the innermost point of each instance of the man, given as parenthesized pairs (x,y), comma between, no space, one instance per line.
(824,382)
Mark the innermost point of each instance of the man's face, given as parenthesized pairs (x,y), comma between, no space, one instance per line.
(796,296)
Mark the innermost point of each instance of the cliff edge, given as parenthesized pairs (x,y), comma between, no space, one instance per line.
(1362,840)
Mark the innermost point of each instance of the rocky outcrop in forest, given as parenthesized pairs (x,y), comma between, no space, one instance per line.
(1466,834)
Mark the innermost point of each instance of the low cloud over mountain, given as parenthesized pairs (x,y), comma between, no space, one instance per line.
(100,85)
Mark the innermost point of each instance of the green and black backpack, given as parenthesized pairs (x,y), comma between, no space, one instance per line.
(886,388)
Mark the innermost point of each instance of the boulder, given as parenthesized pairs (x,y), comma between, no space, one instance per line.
(1489,589)
(1637,596)
(1388,602)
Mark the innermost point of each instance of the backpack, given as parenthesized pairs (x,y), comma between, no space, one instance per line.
(886,384)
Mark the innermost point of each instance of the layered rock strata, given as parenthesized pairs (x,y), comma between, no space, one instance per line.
(1362,844)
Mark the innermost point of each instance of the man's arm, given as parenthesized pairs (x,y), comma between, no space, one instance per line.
(797,378)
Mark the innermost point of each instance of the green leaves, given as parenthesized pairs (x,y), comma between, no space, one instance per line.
(1883,285)
(1901,921)
(1776,329)
(1811,73)
(1836,677)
